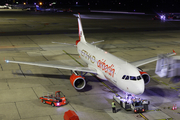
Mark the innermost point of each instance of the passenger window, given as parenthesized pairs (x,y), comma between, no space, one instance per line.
(127,78)
(123,76)
(132,78)
(138,77)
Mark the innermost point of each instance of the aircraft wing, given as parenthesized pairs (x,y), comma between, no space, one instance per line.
(82,69)
(149,60)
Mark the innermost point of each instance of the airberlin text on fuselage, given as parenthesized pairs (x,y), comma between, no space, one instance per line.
(100,63)
(108,69)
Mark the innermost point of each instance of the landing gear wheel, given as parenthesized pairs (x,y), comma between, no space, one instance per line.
(121,104)
(52,105)
(44,102)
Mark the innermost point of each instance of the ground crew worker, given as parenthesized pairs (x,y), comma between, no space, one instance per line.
(113,107)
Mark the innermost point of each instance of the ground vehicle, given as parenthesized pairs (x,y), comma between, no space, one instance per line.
(132,103)
(55,100)
(156,18)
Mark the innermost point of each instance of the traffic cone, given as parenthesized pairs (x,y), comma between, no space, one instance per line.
(173,107)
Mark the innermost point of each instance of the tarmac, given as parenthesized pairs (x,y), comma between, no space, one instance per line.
(28,36)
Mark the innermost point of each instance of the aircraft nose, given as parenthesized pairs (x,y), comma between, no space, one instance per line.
(139,89)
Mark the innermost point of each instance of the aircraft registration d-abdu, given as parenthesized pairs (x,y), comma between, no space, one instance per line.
(126,76)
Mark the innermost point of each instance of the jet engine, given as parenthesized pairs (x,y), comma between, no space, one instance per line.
(144,75)
(78,82)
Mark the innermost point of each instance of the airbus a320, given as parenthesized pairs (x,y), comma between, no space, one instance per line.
(126,76)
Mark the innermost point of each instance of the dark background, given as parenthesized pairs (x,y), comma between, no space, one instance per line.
(124,5)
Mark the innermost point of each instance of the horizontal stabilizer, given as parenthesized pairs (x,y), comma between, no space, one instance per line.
(64,43)
(97,42)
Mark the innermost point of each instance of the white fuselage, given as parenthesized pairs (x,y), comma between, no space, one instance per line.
(111,68)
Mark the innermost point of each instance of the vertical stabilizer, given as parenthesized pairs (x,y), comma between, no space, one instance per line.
(81,34)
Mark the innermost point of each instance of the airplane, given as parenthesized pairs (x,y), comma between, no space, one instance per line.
(5,7)
(126,76)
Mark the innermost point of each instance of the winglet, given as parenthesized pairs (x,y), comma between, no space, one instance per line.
(174,52)
(4,59)
(81,33)
(7,61)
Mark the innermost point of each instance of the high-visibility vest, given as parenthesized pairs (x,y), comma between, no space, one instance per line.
(113,104)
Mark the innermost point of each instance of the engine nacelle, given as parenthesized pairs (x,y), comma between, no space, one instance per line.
(78,82)
(145,77)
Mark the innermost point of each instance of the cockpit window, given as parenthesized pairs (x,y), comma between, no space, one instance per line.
(132,78)
(138,77)
(127,77)
(123,76)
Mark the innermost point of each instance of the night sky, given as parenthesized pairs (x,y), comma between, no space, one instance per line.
(128,5)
